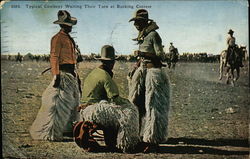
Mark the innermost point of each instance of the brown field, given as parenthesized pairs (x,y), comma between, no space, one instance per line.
(208,119)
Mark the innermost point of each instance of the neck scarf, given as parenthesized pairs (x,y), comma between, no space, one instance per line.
(142,34)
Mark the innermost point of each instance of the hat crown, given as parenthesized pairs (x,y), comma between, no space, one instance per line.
(141,13)
(107,53)
(230,31)
(63,16)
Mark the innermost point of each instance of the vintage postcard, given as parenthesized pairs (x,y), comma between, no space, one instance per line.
(125,79)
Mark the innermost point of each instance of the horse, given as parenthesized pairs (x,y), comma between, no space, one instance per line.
(232,64)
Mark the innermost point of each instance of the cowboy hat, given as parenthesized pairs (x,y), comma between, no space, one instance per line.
(65,18)
(230,31)
(107,53)
(140,14)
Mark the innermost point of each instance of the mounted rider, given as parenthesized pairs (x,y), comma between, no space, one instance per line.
(233,53)
(173,51)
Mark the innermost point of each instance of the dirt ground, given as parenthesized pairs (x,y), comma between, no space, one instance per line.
(208,119)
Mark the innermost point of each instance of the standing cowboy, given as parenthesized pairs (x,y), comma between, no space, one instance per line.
(61,98)
(104,107)
(149,85)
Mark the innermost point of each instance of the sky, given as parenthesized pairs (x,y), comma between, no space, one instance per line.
(192,26)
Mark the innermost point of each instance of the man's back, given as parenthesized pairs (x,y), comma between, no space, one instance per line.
(231,41)
(98,86)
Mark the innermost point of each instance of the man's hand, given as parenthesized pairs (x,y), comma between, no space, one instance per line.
(57,81)
(82,106)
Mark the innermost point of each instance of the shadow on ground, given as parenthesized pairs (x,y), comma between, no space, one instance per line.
(196,146)
(189,146)
(216,142)
(198,150)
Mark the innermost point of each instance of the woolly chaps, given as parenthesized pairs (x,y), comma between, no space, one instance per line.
(58,110)
(149,90)
(124,118)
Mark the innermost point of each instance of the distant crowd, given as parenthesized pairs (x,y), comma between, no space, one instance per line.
(185,57)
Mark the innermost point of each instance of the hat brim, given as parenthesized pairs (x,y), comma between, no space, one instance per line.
(139,18)
(72,22)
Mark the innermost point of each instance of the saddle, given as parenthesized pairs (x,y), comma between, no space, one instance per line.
(83,136)
(86,134)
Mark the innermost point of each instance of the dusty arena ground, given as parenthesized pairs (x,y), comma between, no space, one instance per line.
(208,119)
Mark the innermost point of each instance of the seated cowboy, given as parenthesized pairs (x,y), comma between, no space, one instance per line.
(105,109)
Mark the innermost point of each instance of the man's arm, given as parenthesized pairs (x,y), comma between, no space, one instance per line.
(157,44)
(54,55)
(54,59)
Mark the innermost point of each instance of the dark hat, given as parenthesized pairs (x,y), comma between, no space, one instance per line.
(140,14)
(171,42)
(107,53)
(65,18)
(230,31)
